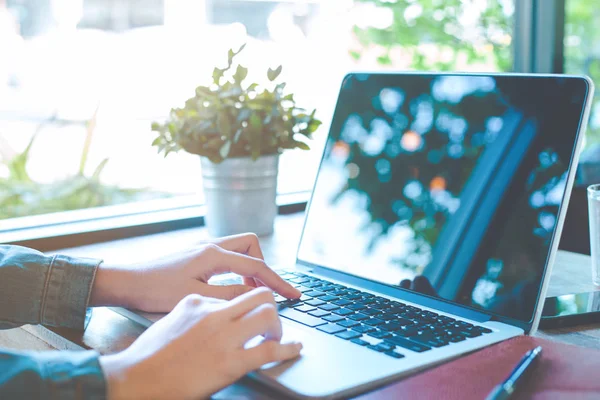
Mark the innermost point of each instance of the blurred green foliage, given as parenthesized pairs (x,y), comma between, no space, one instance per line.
(415,24)
(582,38)
(21,195)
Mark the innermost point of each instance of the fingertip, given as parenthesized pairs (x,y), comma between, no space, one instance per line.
(294,349)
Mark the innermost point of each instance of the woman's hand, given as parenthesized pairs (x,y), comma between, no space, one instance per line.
(157,286)
(198,349)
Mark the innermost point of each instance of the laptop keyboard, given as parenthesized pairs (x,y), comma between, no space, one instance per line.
(353,315)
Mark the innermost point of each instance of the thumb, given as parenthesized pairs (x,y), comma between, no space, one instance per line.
(228,292)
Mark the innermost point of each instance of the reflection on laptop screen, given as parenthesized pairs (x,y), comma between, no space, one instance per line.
(446,184)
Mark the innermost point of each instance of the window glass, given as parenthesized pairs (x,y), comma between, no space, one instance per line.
(581,54)
(82,80)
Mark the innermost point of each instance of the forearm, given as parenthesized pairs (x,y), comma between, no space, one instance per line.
(40,289)
(51,375)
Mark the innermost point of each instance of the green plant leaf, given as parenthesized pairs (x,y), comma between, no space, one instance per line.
(289,97)
(203,91)
(252,87)
(272,74)
(242,47)
(98,170)
(301,145)
(217,75)
(255,135)
(230,55)
(240,74)
(224,124)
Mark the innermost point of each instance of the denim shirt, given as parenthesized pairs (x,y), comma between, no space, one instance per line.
(54,291)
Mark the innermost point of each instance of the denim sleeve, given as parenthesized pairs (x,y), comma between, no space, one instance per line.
(51,375)
(40,289)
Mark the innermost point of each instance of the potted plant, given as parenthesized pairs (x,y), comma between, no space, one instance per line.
(238,130)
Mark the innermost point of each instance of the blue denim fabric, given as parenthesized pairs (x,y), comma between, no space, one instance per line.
(55,291)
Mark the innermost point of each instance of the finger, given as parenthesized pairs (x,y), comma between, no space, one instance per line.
(250,282)
(268,352)
(405,284)
(227,292)
(245,243)
(243,304)
(263,321)
(250,267)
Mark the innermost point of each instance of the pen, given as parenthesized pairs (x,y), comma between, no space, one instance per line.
(506,388)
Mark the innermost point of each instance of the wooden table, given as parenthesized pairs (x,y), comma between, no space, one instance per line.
(109,332)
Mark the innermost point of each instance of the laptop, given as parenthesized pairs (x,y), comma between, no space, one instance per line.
(432,227)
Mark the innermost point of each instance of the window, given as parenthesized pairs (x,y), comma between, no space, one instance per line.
(581,42)
(81,81)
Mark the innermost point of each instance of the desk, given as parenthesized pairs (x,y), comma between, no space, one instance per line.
(109,332)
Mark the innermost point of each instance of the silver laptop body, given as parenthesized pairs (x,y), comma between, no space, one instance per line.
(462,154)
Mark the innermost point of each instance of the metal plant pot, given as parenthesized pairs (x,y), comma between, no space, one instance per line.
(240,195)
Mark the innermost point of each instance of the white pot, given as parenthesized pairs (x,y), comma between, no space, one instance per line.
(240,195)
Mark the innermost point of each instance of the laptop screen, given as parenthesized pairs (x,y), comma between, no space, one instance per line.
(449,185)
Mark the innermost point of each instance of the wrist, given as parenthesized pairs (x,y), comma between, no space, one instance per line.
(112,286)
(117,374)
(129,377)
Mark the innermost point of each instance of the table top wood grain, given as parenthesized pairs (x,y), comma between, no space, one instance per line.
(109,332)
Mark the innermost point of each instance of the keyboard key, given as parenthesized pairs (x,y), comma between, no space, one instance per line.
(429,341)
(301,317)
(331,328)
(388,316)
(342,302)
(311,284)
(386,346)
(315,293)
(349,335)
(328,298)
(470,333)
(343,311)
(305,308)
(360,342)
(305,297)
(291,303)
(318,313)
(371,311)
(279,299)
(315,302)
(380,306)
(457,338)
(373,321)
(356,306)
(303,289)
(298,280)
(363,328)
(348,323)
(352,296)
(390,327)
(328,307)
(394,354)
(377,334)
(333,318)
(358,317)
(407,344)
